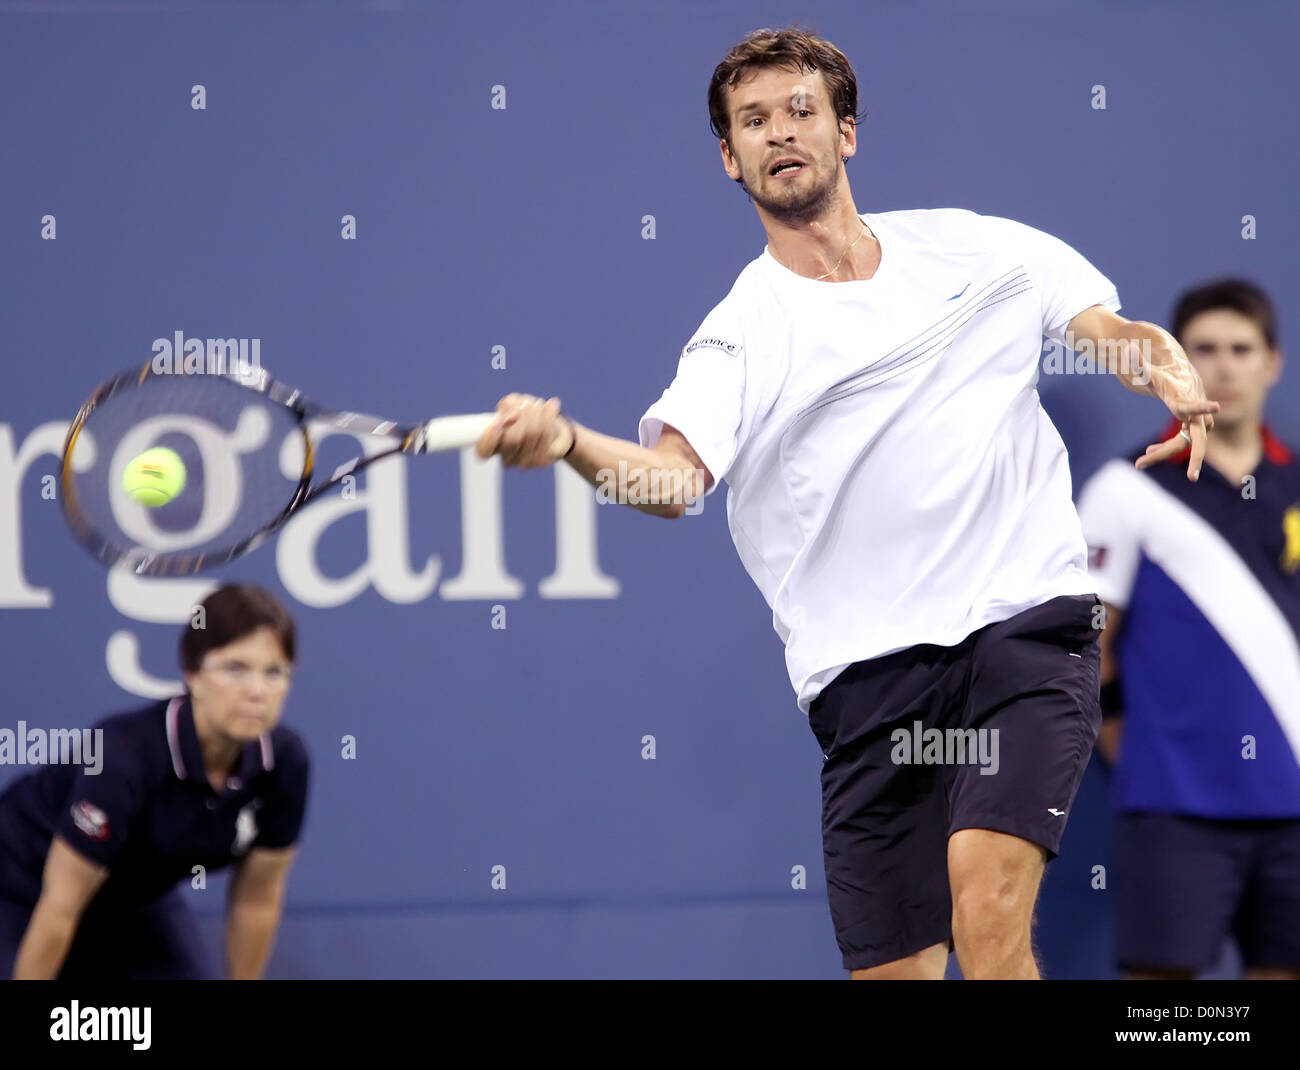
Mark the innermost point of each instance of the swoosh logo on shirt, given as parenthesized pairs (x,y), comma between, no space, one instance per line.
(957,295)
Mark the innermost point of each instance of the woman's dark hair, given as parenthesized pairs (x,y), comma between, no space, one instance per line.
(228,614)
(1237,294)
(796,47)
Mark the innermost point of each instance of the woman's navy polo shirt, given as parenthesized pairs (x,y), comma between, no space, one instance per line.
(150,814)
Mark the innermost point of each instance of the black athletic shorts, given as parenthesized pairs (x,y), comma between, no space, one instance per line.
(992,733)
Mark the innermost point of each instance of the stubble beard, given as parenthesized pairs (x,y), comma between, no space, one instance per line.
(811,204)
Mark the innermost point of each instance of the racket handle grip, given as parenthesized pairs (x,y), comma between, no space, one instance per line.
(455,432)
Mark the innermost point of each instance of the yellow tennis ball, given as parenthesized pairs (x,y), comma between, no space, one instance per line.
(155,477)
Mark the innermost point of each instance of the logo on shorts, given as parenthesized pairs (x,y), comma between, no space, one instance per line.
(91,821)
(1056,813)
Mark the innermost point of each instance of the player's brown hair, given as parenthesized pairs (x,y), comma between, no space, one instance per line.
(795,47)
(1239,295)
(230,613)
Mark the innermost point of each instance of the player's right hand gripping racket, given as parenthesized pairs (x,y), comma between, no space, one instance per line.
(247,457)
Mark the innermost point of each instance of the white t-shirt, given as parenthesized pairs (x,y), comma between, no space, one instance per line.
(892,478)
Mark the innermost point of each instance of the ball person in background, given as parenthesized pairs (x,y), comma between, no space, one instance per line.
(903,502)
(1201,667)
(89,863)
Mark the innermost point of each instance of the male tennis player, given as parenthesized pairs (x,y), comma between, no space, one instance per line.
(1201,667)
(903,503)
(89,859)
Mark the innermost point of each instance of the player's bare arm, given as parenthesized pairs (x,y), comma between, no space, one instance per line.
(531,433)
(1148,360)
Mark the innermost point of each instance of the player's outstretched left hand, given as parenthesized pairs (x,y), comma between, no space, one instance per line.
(1171,377)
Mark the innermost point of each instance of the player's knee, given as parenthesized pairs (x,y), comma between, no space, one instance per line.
(994,880)
(995,909)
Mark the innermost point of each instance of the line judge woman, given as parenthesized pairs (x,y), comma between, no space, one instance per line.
(90,864)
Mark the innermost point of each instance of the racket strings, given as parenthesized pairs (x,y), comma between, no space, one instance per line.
(242,458)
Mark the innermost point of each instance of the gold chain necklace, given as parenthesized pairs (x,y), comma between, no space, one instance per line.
(855,241)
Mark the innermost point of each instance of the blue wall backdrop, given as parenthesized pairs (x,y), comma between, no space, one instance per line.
(522,227)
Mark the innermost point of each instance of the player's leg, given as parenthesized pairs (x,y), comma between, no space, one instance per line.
(1178,883)
(995,879)
(1030,716)
(1269,924)
(884,822)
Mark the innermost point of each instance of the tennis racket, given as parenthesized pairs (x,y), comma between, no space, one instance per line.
(247,457)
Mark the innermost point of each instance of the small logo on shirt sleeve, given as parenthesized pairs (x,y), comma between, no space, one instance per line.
(730,348)
(1096,556)
(91,821)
